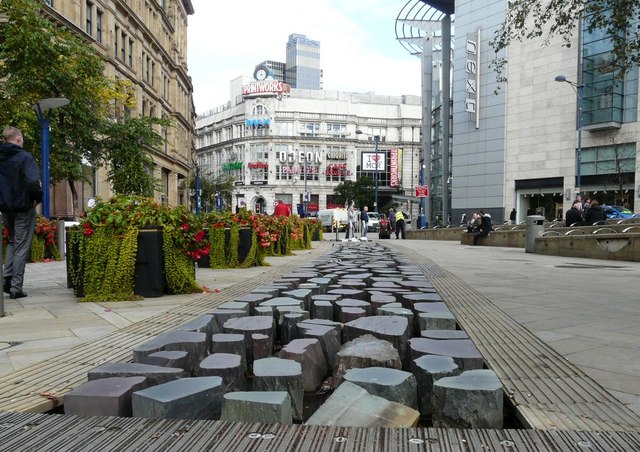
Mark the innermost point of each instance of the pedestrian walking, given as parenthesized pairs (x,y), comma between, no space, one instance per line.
(364,217)
(351,221)
(512,216)
(20,193)
(399,224)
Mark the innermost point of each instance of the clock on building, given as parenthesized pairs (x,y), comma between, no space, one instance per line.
(261,73)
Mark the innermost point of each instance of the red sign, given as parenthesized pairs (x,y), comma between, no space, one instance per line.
(422,191)
(393,153)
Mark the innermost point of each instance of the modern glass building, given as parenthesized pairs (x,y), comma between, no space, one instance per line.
(303,63)
(530,143)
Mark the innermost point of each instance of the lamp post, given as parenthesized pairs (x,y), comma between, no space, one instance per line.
(198,201)
(376,139)
(305,201)
(579,89)
(42,107)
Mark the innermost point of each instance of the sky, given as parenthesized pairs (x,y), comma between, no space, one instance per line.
(358,47)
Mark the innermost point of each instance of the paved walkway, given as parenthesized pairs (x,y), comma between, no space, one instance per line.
(588,310)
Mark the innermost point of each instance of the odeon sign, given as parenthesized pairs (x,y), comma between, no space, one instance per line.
(265,88)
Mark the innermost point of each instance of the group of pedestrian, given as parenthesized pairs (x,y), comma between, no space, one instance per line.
(480,225)
(20,193)
(584,214)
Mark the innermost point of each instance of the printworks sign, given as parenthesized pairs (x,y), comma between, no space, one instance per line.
(472,83)
(265,88)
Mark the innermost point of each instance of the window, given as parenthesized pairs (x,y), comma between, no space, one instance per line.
(123,46)
(260,110)
(309,164)
(309,129)
(89,22)
(613,159)
(337,130)
(131,53)
(116,36)
(99,26)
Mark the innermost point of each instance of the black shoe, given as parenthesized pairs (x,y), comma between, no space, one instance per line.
(15,295)
(7,286)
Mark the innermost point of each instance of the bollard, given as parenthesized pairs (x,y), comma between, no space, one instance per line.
(535,228)
(62,238)
(1,270)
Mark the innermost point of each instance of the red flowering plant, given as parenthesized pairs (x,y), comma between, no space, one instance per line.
(46,230)
(193,240)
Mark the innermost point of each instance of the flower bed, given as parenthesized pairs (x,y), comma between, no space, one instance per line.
(44,243)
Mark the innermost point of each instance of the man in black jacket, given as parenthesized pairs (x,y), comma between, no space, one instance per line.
(20,192)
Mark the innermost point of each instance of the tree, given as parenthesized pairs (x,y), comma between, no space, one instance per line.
(39,60)
(527,19)
(361,191)
(224,185)
(126,150)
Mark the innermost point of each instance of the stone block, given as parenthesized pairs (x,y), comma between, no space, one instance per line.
(230,343)
(329,337)
(167,359)
(289,326)
(463,351)
(352,406)
(188,398)
(353,303)
(276,374)
(303,295)
(222,315)
(391,384)
(203,324)
(226,366)
(195,344)
(348,314)
(349,293)
(471,400)
(271,290)
(104,397)
(248,326)
(322,309)
(155,374)
(444,334)
(273,407)
(236,306)
(254,300)
(261,346)
(394,329)
(428,369)
(365,351)
(307,352)
(437,321)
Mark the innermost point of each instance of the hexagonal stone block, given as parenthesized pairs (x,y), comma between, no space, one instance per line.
(394,329)
(104,397)
(437,321)
(268,407)
(167,358)
(473,399)
(188,398)
(230,343)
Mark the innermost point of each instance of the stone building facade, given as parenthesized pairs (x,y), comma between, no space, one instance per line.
(145,42)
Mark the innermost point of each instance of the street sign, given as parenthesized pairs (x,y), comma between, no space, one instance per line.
(422,191)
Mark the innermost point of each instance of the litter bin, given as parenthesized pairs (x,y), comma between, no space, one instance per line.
(535,228)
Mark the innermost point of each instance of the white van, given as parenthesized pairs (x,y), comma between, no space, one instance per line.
(331,217)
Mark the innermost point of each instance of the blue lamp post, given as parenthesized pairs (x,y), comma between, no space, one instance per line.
(198,200)
(579,89)
(376,139)
(42,109)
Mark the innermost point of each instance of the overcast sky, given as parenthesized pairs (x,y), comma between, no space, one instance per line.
(358,47)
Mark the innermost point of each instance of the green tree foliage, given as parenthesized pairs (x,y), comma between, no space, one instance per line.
(210,185)
(361,191)
(527,19)
(126,149)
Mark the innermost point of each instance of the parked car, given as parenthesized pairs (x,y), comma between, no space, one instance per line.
(617,212)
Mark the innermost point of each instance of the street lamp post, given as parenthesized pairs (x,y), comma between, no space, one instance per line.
(198,199)
(42,108)
(579,89)
(305,202)
(376,138)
